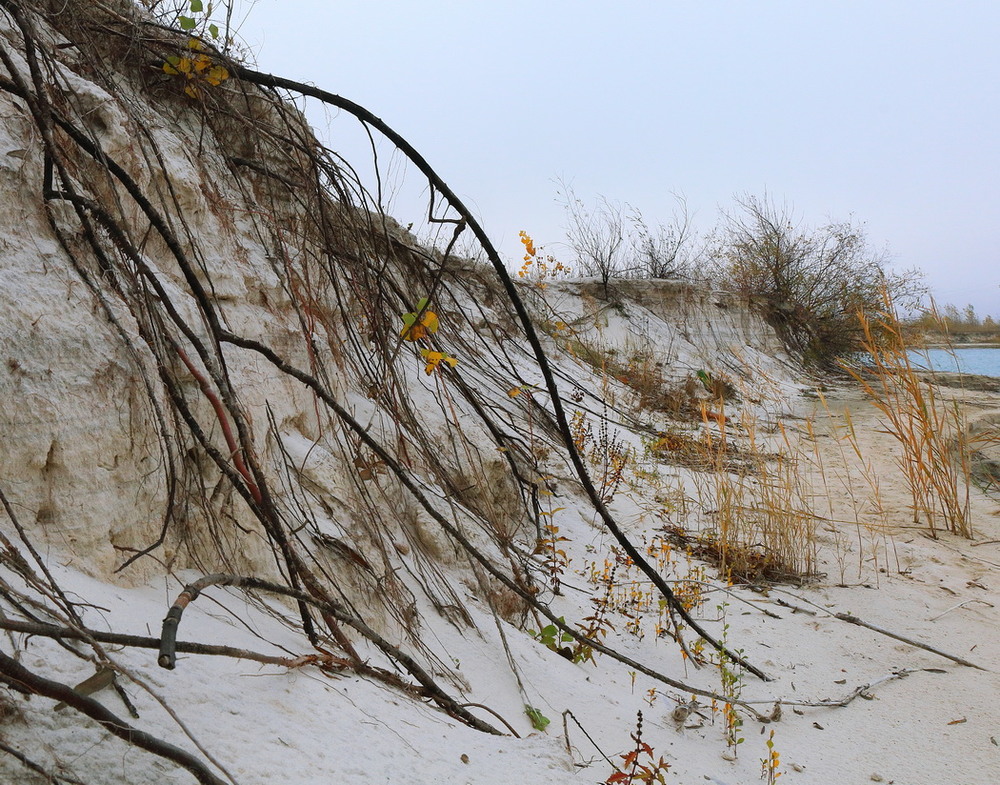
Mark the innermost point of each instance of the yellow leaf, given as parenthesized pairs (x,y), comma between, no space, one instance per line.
(217,75)
(192,90)
(184,65)
(414,332)
(513,392)
(169,69)
(436,358)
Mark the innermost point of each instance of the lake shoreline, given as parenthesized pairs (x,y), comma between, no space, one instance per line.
(967,359)
(945,346)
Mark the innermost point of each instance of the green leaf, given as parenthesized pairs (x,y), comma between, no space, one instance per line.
(213,29)
(422,304)
(538,720)
(186,22)
(196,7)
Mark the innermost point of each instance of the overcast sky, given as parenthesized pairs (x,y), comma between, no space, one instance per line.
(882,110)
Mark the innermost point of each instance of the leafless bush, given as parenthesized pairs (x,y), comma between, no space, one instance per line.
(596,237)
(667,250)
(814,282)
(615,241)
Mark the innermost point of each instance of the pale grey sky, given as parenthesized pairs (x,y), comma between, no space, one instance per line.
(887,110)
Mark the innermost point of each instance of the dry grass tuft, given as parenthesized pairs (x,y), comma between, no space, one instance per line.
(756,500)
(935,454)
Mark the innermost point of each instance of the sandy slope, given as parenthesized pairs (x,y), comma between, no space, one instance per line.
(267,724)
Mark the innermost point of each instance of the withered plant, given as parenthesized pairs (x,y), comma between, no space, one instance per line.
(931,431)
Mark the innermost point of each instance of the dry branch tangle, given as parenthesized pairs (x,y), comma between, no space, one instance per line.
(223,386)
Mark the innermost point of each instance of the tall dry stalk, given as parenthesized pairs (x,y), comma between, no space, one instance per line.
(766,528)
(931,432)
(857,497)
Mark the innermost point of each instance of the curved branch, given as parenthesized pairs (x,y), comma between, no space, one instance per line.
(269,80)
(139,641)
(404,478)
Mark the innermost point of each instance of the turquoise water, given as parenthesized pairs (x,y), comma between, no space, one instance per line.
(980,361)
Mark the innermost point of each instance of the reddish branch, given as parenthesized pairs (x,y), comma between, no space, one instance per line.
(235,451)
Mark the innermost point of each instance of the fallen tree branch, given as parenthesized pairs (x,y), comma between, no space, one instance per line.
(139,641)
(39,685)
(962,605)
(861,691)
(496,714)
(37,768)
(568,714)
(407,481)
(851,619)
(167,658)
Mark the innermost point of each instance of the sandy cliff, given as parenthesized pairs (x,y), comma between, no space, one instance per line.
(210,365)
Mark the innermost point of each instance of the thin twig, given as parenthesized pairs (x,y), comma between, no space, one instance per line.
(35,767)
(570,714)
(851,619)
(962,605)
(167,658)
(495,714)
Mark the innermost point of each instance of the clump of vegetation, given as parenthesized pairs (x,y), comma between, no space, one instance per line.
(639,764)
(812,282)
(605,451)
(770,765)
(718,385)
(625,594)
(931,432)
(553,639)
(549,549)
(692,451)
(615,241)
(731,676)
(536,266)
(950,322)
